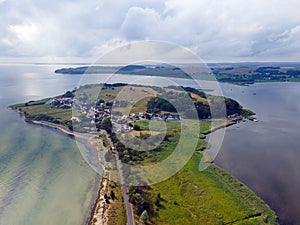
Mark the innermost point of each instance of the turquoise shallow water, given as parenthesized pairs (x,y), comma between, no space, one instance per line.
(43,176)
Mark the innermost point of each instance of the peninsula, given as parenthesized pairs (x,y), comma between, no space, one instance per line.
(190,196)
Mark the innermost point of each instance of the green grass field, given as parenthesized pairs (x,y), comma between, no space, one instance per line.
(57,113)
(172,133)
(209,197)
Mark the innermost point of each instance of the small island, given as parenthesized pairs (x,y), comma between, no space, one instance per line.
(190,196)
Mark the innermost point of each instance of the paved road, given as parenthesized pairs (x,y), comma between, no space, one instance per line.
(128,205)
(129,210)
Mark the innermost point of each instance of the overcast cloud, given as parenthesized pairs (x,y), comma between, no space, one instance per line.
(226,30)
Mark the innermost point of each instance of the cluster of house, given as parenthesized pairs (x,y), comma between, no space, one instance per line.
(61,102)
(101,110)
(154,116)
(98,113)
(235,117)
(121,123)
(165,116)
(94,114)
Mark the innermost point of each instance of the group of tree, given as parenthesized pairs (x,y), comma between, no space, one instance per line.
(69,94)
(107,125)
(141,200)
(215,106)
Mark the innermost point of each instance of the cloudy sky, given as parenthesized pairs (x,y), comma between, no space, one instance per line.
(217,30)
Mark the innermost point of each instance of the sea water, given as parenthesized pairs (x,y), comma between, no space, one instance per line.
(43,177)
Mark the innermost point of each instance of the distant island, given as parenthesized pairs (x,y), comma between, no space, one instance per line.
(190,196)
(243,73)
(147,70)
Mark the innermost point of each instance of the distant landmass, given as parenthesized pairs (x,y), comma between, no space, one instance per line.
(157,70)
(236,73)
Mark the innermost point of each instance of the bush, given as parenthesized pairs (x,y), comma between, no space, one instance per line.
(136,127)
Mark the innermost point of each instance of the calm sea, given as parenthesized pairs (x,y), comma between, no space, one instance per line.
(266,154)
(43,176)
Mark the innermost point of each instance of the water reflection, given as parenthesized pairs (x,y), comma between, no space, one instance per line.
(265,155)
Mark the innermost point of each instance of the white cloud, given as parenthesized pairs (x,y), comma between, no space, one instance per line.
(229,29)
(140,23)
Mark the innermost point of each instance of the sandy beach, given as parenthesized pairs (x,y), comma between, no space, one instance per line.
(99,212)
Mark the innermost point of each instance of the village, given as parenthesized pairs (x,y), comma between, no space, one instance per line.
(91,116)
(96,113)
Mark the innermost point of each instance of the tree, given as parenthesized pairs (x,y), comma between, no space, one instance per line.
(107,125)
(120,147)
(68,94)
(144,217)
(112,195)
(138,201)
(69,124)
(106,196)
(157,202)
(156,105)
(136,127)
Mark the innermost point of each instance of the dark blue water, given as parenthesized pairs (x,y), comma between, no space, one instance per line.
(266,154)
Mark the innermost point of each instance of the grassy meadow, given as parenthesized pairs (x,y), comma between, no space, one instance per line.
(201,197)
(208,197)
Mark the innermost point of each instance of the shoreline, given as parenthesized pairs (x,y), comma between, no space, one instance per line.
(60,128)
(95,203)
(52,125)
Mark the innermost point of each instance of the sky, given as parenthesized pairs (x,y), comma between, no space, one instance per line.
(216,30)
